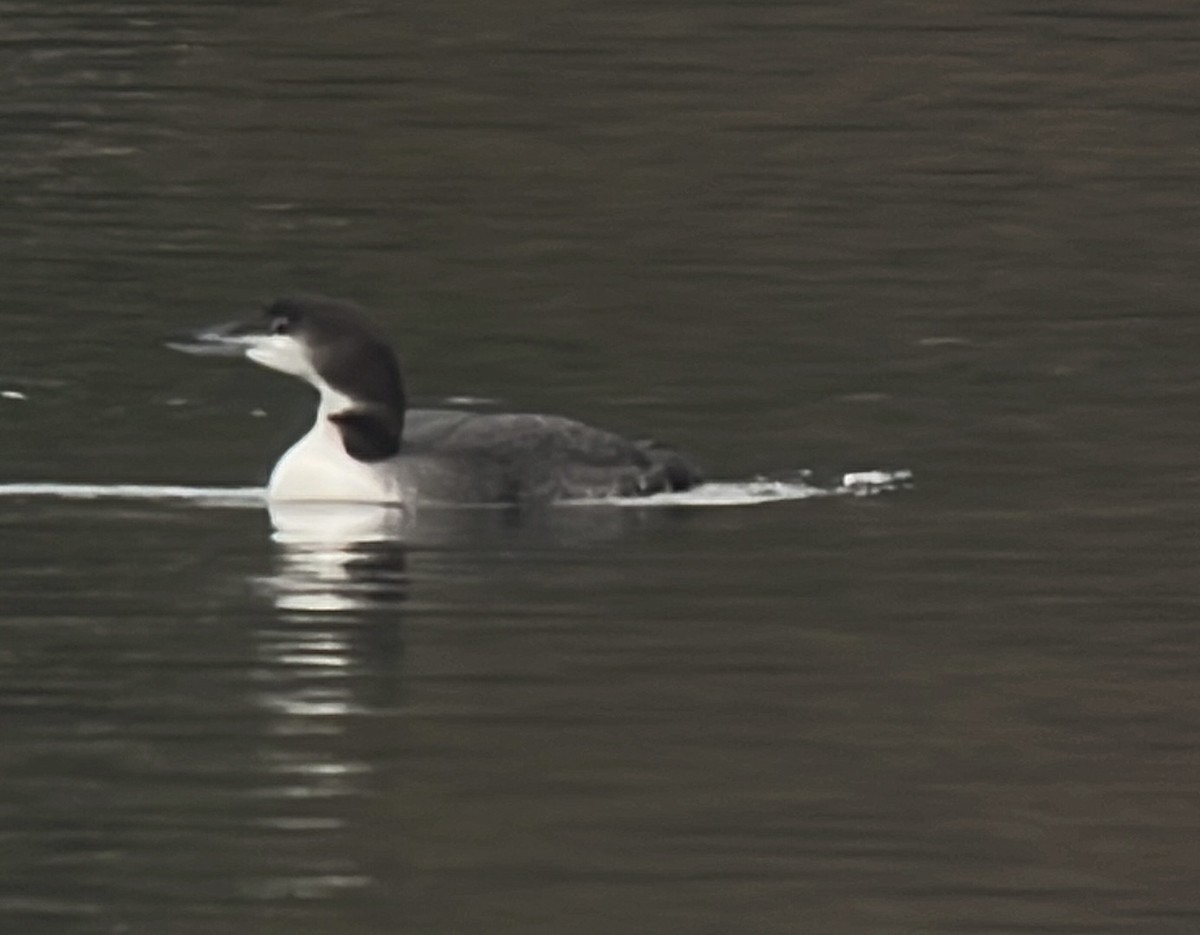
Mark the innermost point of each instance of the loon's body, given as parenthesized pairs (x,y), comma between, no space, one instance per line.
(451,456)
(367,446)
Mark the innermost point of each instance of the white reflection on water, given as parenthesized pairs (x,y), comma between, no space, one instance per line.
(329,657)
(336,526)
(356,522)
(800,486)
(336,557)
(313,887)
(202,496)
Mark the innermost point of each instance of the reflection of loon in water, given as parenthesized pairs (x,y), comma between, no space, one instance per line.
(344,573)
(366,446)
(337,557)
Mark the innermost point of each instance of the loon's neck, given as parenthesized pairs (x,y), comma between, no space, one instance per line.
(370,429)
(330,401)
(319,467)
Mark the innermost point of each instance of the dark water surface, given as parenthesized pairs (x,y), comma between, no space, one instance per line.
(956,238)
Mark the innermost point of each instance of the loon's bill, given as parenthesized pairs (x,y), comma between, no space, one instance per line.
(232,339)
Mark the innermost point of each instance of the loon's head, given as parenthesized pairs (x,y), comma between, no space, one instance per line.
(332,345)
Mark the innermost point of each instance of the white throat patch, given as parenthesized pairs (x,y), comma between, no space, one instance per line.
(284,353)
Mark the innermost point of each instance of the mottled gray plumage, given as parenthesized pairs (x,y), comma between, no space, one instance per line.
(524,457)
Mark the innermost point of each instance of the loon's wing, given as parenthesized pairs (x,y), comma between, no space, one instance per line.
(539,457)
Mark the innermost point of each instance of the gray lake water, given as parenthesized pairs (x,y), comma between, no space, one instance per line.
(957,239)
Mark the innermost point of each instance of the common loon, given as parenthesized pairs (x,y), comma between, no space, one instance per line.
(367,446)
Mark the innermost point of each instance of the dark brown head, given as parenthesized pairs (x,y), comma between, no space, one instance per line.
(333,345)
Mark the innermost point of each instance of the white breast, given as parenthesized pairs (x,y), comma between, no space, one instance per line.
(318,468)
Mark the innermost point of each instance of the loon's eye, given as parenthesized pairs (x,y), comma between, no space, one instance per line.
(280,325)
